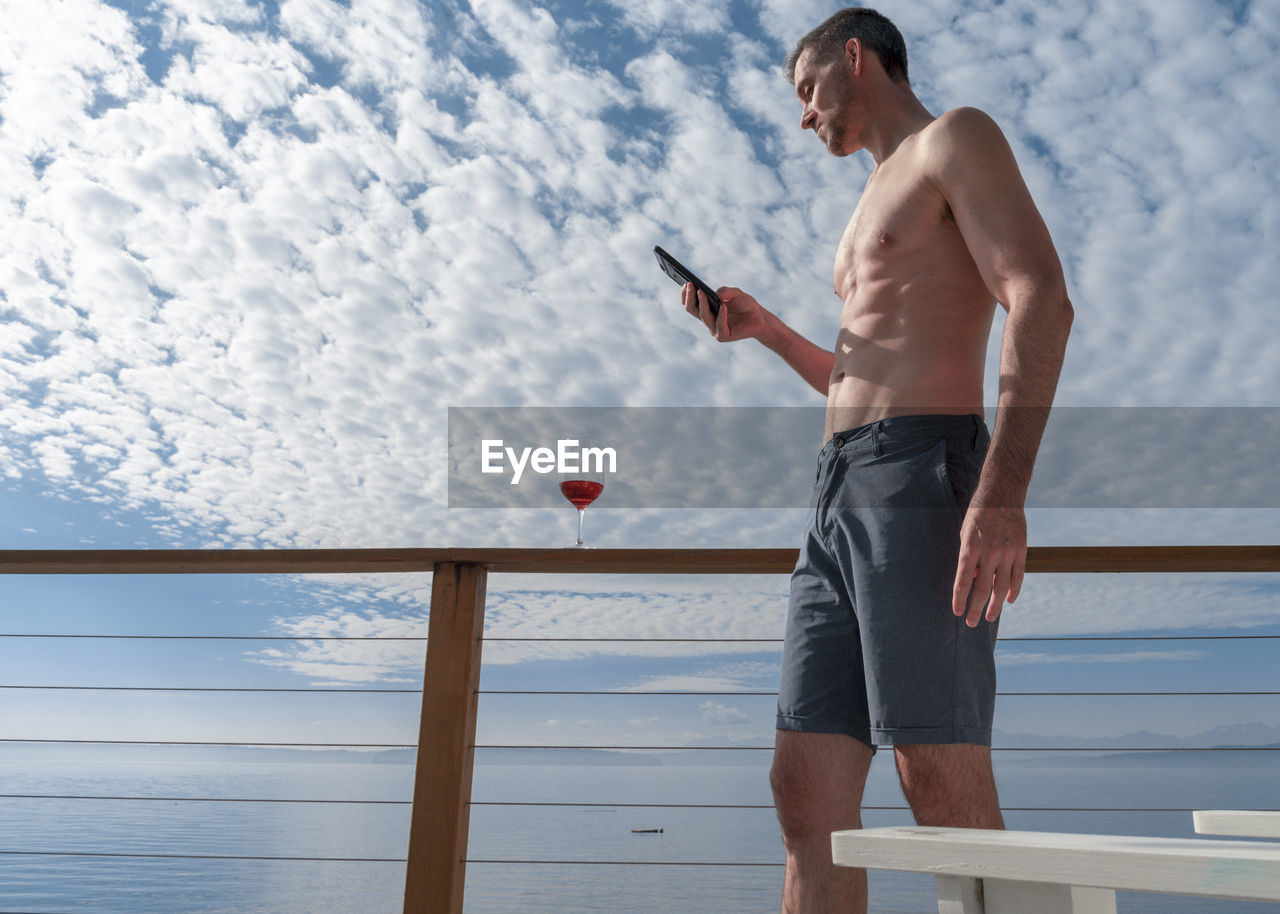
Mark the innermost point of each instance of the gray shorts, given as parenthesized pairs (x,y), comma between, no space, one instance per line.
(872,647)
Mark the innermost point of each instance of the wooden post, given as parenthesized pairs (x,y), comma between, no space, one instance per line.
(960,895)
(436,869)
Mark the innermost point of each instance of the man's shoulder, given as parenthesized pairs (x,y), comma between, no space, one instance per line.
(964,127)
(961,140)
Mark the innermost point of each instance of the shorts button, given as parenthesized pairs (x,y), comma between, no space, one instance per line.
(839,442)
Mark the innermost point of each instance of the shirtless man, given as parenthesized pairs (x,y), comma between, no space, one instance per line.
(918,522)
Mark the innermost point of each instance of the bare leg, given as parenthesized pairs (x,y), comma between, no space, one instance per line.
(817,781)
(949,785)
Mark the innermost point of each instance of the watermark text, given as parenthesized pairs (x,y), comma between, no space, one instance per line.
(568,456)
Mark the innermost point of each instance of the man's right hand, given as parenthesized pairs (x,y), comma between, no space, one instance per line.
(740,318)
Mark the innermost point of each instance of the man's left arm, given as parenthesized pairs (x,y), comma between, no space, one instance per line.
(974,168)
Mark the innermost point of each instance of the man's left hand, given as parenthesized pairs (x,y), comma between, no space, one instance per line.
(993,559)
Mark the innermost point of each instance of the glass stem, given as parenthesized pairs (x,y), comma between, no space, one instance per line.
(581,511)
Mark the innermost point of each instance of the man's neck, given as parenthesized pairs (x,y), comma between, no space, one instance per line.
(898,115)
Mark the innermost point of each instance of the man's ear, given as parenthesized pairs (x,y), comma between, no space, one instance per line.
(853,53)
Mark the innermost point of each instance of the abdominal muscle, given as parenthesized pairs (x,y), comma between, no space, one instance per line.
(910,359)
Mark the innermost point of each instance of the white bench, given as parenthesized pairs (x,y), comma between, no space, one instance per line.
(1241,823)
(1010,872)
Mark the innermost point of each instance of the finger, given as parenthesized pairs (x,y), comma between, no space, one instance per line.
(1015,578)
(722,321)
(998,594)
(981,595)
(964,582)
(688,299)
(704,312)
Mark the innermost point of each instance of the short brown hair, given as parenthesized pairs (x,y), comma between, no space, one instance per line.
(875,32)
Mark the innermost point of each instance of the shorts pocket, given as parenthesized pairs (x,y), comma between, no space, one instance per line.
(961,468)
(909,477)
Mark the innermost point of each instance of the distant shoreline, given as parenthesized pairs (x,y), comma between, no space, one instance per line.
(1218,757)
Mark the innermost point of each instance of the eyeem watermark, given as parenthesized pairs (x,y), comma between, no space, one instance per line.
(764,457)
(568,456)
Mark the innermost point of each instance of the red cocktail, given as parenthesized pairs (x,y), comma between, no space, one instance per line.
(581,492)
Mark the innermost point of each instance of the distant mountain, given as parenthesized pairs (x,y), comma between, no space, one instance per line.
(1255,736)
(1229,735)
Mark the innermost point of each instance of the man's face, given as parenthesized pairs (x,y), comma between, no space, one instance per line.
(827,94)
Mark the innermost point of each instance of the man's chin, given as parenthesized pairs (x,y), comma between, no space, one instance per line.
(835,145)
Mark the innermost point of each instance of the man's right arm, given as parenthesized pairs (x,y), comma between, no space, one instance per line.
(742,317)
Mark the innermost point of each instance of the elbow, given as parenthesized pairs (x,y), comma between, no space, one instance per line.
(1053,305)
(1047,305)
(1050,294)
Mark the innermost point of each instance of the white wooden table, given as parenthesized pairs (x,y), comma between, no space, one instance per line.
(1011,872)
(1246,823)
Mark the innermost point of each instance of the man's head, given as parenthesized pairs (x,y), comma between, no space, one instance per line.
(874,31)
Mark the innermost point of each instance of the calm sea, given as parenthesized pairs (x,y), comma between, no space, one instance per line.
(32,883)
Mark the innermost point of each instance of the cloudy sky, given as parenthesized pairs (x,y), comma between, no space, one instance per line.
(253,252)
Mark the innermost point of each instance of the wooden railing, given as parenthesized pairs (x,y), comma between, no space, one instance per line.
(435,872)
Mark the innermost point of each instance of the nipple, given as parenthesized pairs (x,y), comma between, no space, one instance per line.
(885,239)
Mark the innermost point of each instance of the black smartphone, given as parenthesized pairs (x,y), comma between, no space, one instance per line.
(682,274)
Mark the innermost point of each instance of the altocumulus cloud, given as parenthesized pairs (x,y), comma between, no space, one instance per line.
(252,251)
(722,714)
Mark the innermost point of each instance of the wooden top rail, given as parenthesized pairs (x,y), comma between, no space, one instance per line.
(1042,559)
(347,561)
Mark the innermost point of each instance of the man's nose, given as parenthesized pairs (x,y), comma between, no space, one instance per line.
(806,118)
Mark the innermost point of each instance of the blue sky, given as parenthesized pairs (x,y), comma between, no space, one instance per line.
(254,251)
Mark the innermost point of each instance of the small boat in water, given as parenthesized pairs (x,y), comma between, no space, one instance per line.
(646,831)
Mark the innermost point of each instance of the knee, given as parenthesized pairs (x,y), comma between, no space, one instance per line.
(790,801)
(929,804)
(805,814)
(948,786)
(922,784)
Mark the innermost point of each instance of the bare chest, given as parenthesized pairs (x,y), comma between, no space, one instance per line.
(901,224)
